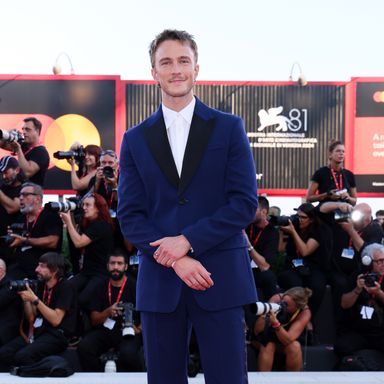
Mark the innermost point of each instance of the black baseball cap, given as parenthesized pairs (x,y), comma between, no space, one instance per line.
(7,162)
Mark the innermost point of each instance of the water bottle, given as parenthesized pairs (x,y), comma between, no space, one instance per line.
(110,366)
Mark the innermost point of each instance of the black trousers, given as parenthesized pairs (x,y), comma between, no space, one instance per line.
(99,341)
(18,352)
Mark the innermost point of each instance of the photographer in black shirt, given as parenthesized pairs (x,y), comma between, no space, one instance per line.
(50,312)
(12,178)
(363,306)
(333,182)
(32,155)
(41,231)
(109,320)
(263,241)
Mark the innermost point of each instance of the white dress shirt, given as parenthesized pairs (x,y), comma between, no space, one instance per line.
(178,125)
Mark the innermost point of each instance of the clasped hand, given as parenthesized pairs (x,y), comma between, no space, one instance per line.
(172,251)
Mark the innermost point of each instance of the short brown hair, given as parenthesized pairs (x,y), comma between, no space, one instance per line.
(171,34)
(36,123)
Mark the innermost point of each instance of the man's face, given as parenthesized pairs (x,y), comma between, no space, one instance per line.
(31,134)
(43,272)
(378,262)
(29,201)
(175,68)
(108,160)
(9,176)
(116,267)
(380,219)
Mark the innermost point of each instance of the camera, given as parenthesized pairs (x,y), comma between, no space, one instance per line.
(108,171)
(11,136)
(57,206)
(127,310)
(264,308)
(17,228)
(78,154)
(343,217)
(370,279)
(282,221)
(21,285)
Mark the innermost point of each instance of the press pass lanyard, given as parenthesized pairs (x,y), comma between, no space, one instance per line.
(338,184)
(120,291)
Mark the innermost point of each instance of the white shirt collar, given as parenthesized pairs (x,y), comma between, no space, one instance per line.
(186,113)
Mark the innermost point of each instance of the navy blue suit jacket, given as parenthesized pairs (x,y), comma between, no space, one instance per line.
(212,201)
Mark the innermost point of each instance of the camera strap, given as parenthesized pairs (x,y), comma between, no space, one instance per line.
(120,291)
(254,242)
(49,295)
(30,149)
(27,223)
(338,184)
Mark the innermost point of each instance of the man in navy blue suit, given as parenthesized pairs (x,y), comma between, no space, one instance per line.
(187,188)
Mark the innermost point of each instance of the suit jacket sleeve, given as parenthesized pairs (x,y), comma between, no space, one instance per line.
(241,197)
(132,209)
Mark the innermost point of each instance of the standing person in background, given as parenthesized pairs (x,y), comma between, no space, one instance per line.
(87,167)
(187,188)
(33,157)
(333,182)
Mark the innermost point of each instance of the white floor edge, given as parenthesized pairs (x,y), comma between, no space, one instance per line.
(254,378)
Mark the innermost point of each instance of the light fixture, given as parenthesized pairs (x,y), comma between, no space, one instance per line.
(301,80)
(57,67)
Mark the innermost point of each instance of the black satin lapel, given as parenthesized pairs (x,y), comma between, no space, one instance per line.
(199,135)
(157,139)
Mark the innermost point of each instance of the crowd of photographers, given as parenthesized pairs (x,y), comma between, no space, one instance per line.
(67,276)
(81,272)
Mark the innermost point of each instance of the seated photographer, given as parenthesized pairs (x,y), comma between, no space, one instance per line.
(263,241)
(279,331)
(32,155)
(12,178)
(363,306)
(10,308)
(96,241)
(40,232)
(112,322)
(87,161)
(333,182)
(50,312)
(352,228)
(308,251)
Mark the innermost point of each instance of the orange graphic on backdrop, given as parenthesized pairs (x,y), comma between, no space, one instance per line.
(57,134)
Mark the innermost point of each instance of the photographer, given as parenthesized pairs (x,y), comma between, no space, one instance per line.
(105,181)
(263,240)
(333,182)
(50,312)
(108,323)
(9,199)
(351,233)
(32,155)
(308,251)
(96,241)
(87,167)
(280,332)
(41,232)
(363,306)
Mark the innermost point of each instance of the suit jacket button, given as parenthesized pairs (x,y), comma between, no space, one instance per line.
(183,201)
